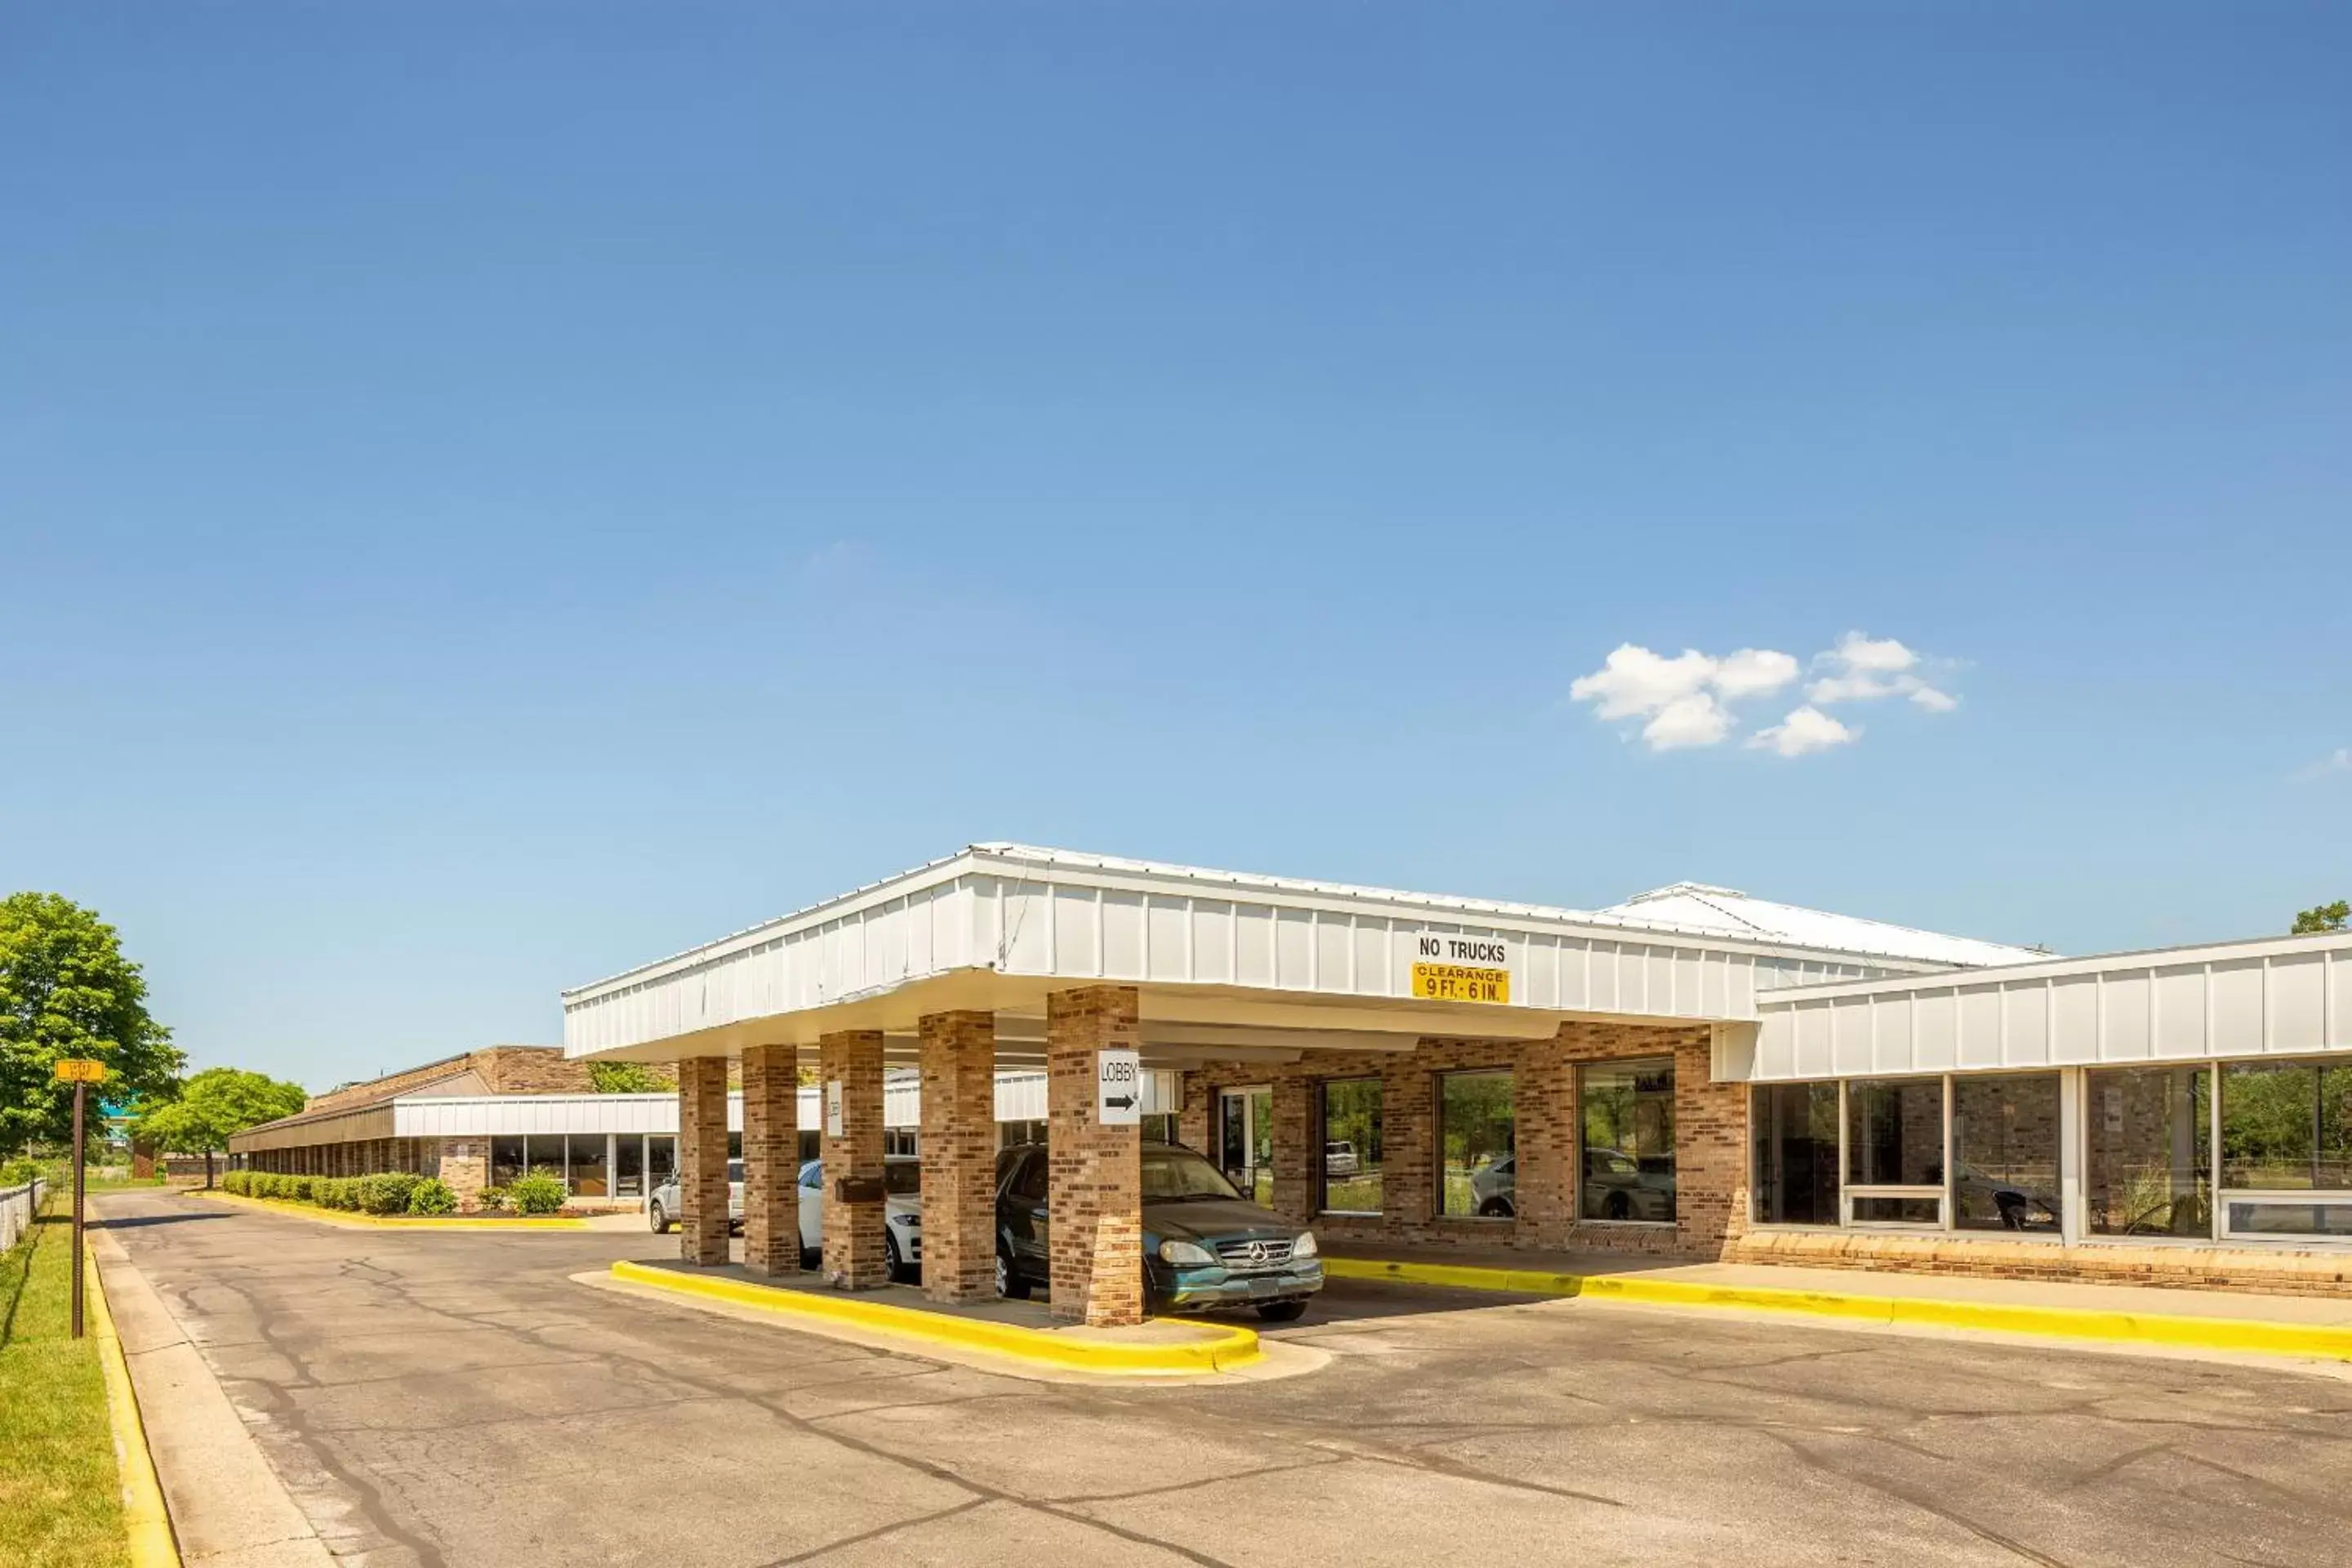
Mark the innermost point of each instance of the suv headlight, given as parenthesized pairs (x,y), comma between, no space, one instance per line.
(1305,1246)
(1186,1254)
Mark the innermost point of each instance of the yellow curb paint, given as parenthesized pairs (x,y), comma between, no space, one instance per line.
(2175,1331)
(144,1517)
(1229,1347)
(386,1222)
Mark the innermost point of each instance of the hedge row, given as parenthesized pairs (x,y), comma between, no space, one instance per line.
(393,1192)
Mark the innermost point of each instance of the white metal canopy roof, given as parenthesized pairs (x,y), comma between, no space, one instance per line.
(2274,996)
(1228,964)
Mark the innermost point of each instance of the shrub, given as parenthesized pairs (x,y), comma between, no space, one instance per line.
(237,1182)
(537,1194)
(496,1200)
(432,1195)
(298,1188)
(17,1171)
(386,1193)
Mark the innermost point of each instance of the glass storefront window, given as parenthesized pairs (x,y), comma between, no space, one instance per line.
(1871,1208)
(1627,1109)
(542,1154)
(629,1166)
(1895,1133)
(506,1162)
(1350,1166)
(2148,1149)
(1795,1128)
(587,1173)
(661,1159)
(2286,1126)
(1474,1132)
(2005,1153)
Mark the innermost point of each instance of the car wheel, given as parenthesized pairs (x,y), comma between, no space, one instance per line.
(894,1268)
(1282,1312)
(1008,1283)
(659,1217)
(1495,1208)
(1617,1207)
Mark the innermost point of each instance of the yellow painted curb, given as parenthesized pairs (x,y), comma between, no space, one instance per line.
(1232,1346)
(2178,1331)
(387,1221)
(145,1517)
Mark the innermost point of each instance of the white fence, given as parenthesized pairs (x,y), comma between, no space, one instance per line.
(18,1208)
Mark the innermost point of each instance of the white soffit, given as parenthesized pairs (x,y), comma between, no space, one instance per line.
(1000,925)
(2274,997)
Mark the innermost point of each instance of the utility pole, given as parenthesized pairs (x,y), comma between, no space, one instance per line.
(82,1074)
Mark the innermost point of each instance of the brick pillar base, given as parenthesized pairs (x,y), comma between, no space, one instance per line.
(1094,1213)
(464,1163)
(959,1169)
(772,1146)
(854,1256)
(702,1159)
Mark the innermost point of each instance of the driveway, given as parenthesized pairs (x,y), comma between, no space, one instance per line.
(432,1399)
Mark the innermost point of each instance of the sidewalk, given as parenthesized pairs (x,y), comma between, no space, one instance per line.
(2129,1315)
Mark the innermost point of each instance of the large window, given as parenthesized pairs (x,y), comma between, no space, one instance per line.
(1894,1151)
(1474,1119)
(1628,1113)
(1351,1146)
(2149,1151)
(1795,1126)
(2005,1153)
(2286,1128)
(589,1176)
(507,1165)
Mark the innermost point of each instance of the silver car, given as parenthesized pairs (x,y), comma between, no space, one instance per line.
(902,1211)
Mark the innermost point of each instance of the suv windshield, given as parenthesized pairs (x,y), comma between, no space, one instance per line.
(1179,1175)
(900,1178)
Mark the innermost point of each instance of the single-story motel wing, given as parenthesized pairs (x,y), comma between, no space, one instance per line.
(1694,1074)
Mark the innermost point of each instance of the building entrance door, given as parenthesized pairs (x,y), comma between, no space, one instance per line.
(1245,1140)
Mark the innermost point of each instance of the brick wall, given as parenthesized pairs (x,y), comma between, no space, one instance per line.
(530,1070)
(1710,1136)
(1095,1192)
(2171,1267)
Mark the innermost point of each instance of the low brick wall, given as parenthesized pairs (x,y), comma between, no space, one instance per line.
(2182,1267)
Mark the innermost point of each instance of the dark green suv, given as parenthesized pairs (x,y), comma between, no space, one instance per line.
(1205,1247)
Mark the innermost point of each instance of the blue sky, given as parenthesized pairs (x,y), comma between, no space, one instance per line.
(493,493)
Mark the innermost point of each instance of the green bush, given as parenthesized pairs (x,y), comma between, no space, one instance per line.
(495,1200)
(432,1195)
(385,1192)
(537,1194)
(19,1171)
(238,1182)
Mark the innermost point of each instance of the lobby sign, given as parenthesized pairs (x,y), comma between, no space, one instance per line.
(1119,1089)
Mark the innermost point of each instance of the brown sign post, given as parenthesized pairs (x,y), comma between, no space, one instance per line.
(81,1073)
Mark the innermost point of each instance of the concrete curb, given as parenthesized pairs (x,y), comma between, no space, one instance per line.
(2173,1331)
(389,1222)
(144,1517)
(1228,1348)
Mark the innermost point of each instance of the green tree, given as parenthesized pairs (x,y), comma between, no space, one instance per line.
(2336,916)
(628,1078)
(212,1106)
(66,990)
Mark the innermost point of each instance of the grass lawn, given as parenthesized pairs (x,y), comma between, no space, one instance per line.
(61,1497)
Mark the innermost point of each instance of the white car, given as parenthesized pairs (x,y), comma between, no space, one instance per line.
(902,1211)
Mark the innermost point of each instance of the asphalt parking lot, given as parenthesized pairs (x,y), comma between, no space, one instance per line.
(440,1399)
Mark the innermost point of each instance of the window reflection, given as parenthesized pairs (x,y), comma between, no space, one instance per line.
(2149,1151)
(1351,1146)
(1475,1141)
(1628,1116)
(2005,1153)
(1795,1128)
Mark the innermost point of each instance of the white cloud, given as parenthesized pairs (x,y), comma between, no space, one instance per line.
(1633,680)
(1805,729)
(1697,720)
(1863,669)
(2338,761)
(1753,672)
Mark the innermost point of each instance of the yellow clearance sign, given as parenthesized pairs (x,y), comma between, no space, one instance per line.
(71,1069)
(1448,967)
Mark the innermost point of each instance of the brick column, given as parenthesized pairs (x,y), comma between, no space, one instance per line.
(1407,1143)
(702,1159)
(1297,1154)
(1192,1123)
(1095,1202)
(959,1171)
(772,1147)
(853,1258)
(463,1165)
(1545,1141)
